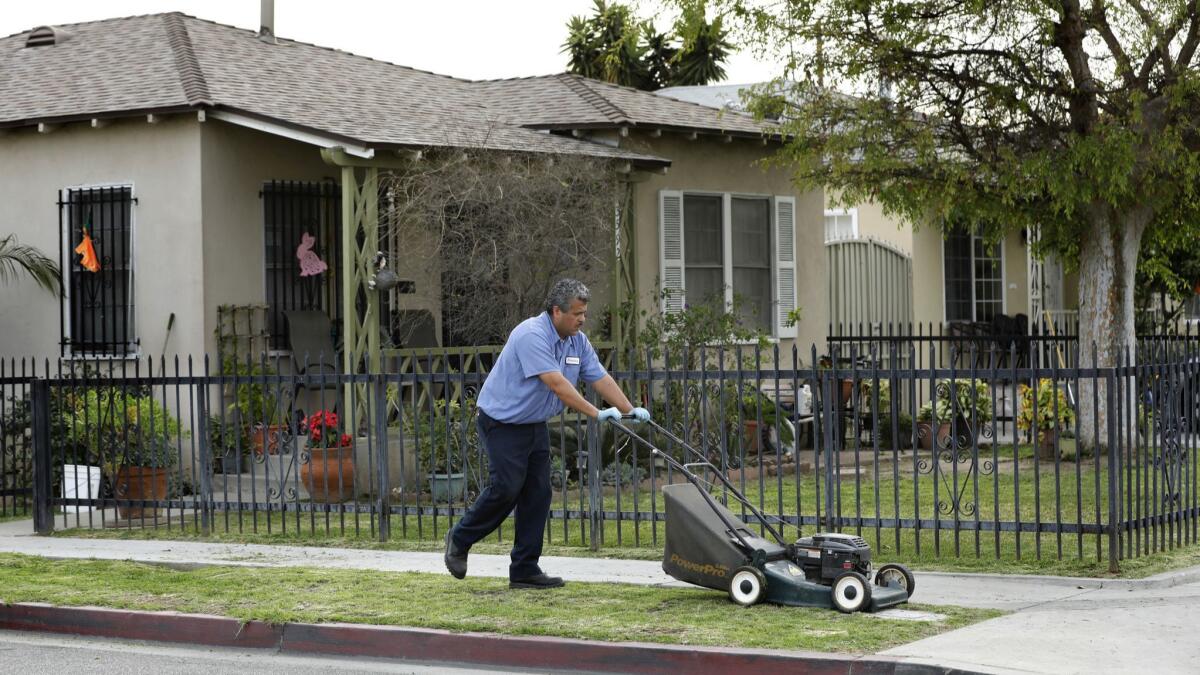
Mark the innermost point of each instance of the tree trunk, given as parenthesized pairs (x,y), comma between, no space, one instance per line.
(1107,270)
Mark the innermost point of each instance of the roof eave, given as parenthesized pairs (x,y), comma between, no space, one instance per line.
(674,128)
(100,115)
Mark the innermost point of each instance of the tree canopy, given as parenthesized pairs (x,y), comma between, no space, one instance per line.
(1076,118)
(615,46)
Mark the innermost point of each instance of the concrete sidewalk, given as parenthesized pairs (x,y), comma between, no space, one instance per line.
(1059,624)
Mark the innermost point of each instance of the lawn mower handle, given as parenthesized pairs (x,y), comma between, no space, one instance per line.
(703,462)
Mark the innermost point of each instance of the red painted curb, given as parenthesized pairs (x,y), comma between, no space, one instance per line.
(428,645)
(201,629)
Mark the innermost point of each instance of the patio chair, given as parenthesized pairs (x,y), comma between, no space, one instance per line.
(1010,334)
(310,335)
(972,343)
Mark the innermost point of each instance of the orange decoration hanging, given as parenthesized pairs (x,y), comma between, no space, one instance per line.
(89,262)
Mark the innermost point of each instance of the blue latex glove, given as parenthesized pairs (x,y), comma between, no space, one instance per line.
(608,414)
(641,414)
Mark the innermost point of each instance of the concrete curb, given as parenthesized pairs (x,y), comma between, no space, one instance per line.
(427,645)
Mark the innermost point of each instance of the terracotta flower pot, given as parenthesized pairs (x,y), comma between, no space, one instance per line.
(328,474)
(847,392)
(139,482)
(926,435)
(268,438)
(753,442)
(1047,449)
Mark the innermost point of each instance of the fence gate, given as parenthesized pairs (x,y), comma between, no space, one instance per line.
(870,284)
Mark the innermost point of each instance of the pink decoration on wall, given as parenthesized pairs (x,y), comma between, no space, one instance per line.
(310,264)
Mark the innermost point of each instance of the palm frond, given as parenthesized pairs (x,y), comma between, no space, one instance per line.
(16,257)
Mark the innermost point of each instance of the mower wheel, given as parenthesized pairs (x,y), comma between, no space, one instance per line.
(748,586)
(851,592)
(894,573)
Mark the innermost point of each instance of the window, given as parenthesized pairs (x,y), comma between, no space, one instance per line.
(841,224)
(1191,308)
(292,209)
(718,247)
(98,245)
(704,248)
(751,223)
(974,277)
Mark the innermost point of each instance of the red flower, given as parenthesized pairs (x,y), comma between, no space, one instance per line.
(323,430)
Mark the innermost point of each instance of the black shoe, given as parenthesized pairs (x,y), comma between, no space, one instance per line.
(456,560)
(539,580)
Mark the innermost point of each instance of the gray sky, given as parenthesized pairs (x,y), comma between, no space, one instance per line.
(477,39)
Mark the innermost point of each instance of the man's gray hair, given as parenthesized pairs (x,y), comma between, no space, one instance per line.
(564,292)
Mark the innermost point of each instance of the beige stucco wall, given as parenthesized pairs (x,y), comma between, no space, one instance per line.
(1016,275)
(707,164)
(874,224)
(236,162)
(162,162)
(929,280)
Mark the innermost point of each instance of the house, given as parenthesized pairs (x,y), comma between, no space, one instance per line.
(950,279)
(188,150)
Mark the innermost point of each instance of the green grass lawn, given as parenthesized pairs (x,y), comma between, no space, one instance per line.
(1023,490)
(611,612)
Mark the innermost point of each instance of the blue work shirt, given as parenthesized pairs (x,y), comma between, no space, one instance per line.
(513,393)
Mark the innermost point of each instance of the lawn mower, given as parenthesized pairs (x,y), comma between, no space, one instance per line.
(709,546)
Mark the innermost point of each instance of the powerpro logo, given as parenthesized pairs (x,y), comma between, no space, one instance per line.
(710,570)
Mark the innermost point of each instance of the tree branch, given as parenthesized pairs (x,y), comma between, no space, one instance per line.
(1098,18)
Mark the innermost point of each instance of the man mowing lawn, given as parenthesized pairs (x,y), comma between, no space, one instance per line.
(536,374)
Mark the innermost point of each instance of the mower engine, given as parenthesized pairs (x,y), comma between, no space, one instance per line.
(824,556)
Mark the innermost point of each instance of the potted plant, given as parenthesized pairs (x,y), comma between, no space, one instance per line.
(959,407)
(755,408)
(444,436)
(133,436)
(1053,415)
(877,415)
(844,391)
(257,407)
(327,468)
(227,445)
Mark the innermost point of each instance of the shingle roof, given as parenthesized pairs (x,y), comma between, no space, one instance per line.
(571,101)
(162,62)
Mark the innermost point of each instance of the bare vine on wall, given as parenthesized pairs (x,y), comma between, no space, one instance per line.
(504,227)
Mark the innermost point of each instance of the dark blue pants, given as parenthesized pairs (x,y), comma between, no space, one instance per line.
(519,468)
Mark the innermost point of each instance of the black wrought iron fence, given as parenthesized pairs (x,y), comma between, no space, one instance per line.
(16,448)
(1007,462)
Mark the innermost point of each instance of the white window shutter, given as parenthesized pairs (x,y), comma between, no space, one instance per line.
(785,264)
(670,246)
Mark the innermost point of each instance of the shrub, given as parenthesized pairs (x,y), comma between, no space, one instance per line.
(972,401)
(123,428)
(445,436)
(1053,411)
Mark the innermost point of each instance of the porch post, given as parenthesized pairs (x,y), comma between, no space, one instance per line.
(361,349)
(360,319)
